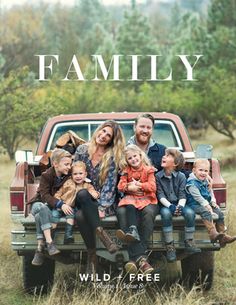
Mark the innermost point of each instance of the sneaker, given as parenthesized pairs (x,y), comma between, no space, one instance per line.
(170,252)
(131,267)
(52,249)
(144,266)
(120,234)
(38,259)
(132,235)
(190,246)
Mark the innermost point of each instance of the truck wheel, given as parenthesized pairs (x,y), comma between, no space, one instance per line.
(38,279)
(198,269)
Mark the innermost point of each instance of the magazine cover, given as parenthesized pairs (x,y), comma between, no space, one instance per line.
(117,151)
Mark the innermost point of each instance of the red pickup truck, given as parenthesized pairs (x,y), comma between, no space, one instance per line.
(168,130)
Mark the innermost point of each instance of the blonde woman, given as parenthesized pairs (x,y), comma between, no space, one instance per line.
(101,156)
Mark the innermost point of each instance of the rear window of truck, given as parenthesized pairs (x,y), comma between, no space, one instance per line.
(164,132)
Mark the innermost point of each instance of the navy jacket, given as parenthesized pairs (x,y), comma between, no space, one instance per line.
(155,154)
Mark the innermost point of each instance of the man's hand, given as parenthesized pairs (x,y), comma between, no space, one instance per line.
(67,210)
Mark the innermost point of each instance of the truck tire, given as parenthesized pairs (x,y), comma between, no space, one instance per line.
(198,269)
(38,279)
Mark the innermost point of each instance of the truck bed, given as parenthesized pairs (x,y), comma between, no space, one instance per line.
(25,239)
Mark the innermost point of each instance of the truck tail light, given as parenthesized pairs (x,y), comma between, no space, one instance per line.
(220,195)
(17,202)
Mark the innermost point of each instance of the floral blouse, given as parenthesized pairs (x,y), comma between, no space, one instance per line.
(108,189)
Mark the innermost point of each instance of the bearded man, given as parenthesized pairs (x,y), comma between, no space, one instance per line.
(138,251)
(143,129)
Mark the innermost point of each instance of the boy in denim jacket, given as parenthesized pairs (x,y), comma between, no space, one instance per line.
(201,199)
(172,197)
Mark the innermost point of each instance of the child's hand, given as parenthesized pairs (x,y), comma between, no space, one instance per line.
(210,182)
(101,212)
(172,208)
(214,205)
(209,208)
(67,210)
(132,187)
(179,210)
(97,195)
(137,182)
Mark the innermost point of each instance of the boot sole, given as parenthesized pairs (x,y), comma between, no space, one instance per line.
(131,268)
(113,249)
(223,243)
(130,238)
(120,234)
(34,264)
(148,271)
(218,237)
(37,264)
(54,253)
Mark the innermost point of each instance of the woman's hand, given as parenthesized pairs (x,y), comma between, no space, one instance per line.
(67,210)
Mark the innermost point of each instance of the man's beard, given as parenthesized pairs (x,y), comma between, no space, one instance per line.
(143,139)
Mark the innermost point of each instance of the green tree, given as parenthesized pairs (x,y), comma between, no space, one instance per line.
(218,74)
(221,13)
(22,111)
(21,37)
(221,38)
(219,100)
(134,37)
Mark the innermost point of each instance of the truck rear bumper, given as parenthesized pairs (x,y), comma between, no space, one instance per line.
(24,240)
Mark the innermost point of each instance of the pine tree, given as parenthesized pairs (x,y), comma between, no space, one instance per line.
(134,38)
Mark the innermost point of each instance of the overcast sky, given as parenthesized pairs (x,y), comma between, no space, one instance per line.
(9,3)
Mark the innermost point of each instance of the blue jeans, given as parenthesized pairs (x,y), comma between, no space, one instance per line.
(57,214)
(206,215)
(43,218)
(188,214)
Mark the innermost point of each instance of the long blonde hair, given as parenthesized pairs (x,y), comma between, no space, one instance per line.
(135,149)
(114,149)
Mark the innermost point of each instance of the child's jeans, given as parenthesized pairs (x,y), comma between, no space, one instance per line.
(57,214)
(43,218)
(206,215)
(189,217)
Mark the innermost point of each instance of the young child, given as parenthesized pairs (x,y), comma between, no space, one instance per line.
(44,201)
(201,199)
(138,184)
(171,194)
(67,194)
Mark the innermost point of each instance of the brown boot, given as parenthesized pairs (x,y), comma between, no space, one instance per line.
(106,240)
(211,229)
(91,262)
(226,239)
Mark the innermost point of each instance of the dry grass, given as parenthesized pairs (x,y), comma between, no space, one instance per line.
(176,296)
(223,292)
